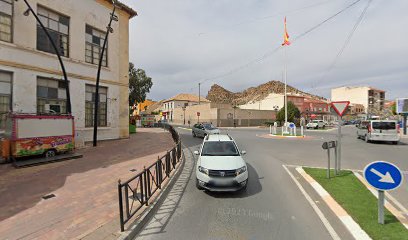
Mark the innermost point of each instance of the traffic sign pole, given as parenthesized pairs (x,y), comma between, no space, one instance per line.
(328,163)
(339,145)
(383,176)
(380,206)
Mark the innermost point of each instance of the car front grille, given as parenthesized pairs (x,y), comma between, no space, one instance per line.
(221,173)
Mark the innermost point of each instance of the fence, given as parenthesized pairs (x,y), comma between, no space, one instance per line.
(137,191)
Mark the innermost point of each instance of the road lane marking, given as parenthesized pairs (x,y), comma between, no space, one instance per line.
(319,213)
(346,219)
(188,129)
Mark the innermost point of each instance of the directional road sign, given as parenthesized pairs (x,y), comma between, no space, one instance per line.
(383,175)
(340,107)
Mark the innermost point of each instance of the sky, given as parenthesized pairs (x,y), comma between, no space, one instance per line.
(237,44)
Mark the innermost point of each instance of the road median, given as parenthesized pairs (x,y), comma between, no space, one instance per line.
(346,195)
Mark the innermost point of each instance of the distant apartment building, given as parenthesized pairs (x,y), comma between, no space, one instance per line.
(30,75)
(315,109)
(371,98)
(179,101)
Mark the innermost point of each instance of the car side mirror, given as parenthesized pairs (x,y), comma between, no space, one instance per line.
(196,153)
(243,152)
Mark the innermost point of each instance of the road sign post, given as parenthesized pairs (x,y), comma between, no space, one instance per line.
(340,108)
(328,146)
(383,176)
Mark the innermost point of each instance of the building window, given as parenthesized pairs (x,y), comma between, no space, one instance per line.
(58,28)
(90,91)
(93,46)
(51,96)
(5,96)
(6,16)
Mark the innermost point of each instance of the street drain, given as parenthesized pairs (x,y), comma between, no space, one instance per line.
(48,196)
(133,170)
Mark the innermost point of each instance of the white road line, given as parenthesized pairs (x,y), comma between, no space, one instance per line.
(319,213)
(338,210)
(189,129)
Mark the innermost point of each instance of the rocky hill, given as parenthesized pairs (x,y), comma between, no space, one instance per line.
(219,94)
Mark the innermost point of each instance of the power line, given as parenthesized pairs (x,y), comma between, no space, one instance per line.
(269,53)
(346,43)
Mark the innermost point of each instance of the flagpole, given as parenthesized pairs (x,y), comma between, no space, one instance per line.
(286,94)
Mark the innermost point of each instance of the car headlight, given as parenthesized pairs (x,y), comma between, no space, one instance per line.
(240,170)
(203,170)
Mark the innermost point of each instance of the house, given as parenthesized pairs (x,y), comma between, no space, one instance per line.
(179,101)
(30,74)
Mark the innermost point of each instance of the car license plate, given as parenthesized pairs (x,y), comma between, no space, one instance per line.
(222,183)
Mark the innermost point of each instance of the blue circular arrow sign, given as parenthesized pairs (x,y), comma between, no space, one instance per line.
(292,125)
(383,175)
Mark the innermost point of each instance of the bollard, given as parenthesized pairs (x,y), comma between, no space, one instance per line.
(270,129)
(294,131)
(301,131)
(282,130)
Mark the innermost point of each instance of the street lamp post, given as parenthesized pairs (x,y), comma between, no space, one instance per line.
(109,29)
(57,52)
(184,114)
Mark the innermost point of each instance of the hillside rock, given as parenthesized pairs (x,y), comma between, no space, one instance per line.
(218,94)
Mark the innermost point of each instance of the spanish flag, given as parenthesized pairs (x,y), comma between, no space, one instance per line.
(286,37)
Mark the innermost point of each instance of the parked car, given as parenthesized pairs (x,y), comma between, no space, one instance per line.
(220,166)
(204,129)
(316,124)
(379,130)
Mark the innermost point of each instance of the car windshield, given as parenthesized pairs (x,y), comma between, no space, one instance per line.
(384,125)
(219,149)
(209,126)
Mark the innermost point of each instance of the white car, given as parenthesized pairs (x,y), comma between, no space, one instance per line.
(379,130)
(316,124)
(220,166)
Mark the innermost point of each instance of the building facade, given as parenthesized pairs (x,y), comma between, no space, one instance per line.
(179,101)
(371,98)
(30,75)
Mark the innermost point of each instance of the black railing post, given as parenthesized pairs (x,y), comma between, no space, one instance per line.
(142,193)
(122,225)
(127,200)
(173,153)
(158,173)
(168,164)
(145,185)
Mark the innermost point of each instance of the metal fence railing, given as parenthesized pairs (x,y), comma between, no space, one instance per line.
(137,191)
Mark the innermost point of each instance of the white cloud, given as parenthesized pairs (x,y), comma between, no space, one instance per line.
(181,42)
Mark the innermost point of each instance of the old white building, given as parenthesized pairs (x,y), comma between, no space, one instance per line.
(31,79)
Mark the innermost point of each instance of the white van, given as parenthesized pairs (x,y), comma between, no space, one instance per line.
(379,130)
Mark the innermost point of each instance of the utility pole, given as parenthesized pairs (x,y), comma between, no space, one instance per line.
(199,93)
(57,52)
(109,29)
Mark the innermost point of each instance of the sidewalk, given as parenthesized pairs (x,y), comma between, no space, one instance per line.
(85,189)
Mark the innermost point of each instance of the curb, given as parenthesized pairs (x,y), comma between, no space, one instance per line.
(339,211)
(149,212)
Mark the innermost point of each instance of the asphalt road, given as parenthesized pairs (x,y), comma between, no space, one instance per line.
(272,207)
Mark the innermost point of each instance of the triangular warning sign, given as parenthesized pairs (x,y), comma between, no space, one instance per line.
(340,107)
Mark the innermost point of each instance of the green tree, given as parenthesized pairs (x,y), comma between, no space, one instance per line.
(139,85)
(293,113)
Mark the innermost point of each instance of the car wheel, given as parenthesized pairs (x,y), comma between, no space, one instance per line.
(50,153)
(366,139)
(198,185)
(395,142)
(244,188)
(194,135)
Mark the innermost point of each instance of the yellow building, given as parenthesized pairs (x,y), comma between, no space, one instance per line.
(141,107)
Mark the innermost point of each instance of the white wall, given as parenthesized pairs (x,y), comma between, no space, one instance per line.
(357,95)
(267,103)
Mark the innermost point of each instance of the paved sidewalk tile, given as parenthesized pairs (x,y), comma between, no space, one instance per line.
(85,189)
